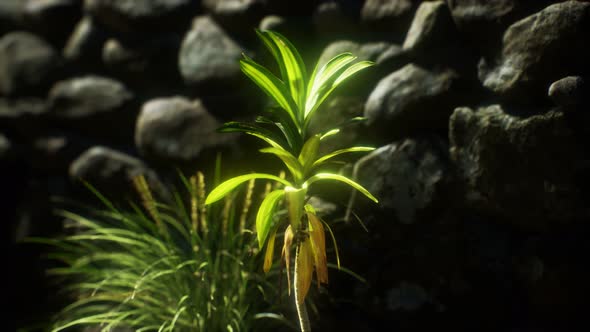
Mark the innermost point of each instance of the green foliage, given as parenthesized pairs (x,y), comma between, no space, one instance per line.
(285,128)
(163,267)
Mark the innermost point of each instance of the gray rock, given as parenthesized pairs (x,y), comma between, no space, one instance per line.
(27,64)
(177,129)
(85,43)
(409,177)
(539,50)
(85,97)
(432,36)
(391,18)
(483,22)
(91,104)
(208,56)
(110,171)
(412,99)
(52,19)
(523,168)
(570,91)
(236,16)
(138,16)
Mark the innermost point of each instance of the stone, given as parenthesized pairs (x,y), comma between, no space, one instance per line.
(110,171)
(208,56)
(388,19)
(570,91)
(539,50)
(141,16)
(236,16)
(180,130)
(52,19)
(412,99)
(85,43)
(483,22)
(432,36)
(529,169)
(92,104)
(410,177)
(27,64)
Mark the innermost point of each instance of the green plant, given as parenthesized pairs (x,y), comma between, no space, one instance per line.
(285,129)
(163,267)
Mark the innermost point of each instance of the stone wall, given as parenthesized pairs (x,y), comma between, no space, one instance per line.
(479,109)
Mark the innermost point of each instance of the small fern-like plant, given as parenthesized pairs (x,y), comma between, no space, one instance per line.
(285,129)
(163,267)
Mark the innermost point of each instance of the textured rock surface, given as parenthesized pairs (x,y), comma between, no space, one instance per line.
(538,50)
(392,17)
(570,91)
(526,168)
(410,100)
(208,56)
(408,177)
(177,129)
(109,170)
(27,63)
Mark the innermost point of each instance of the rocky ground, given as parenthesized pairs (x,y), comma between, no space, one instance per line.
(479,109)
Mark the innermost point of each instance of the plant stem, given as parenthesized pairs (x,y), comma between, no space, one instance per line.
(300,303)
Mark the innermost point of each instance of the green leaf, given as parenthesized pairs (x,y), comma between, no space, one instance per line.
(290,63)
(320,80)
(288,159)
(271,85)
(352,70)
(309,152)
(330,176)
(254,130)
(266,213)
(339,152)
(226,187)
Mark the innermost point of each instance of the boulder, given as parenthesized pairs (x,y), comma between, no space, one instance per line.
(413,99)
(91,104)
(27,64)
(528,169)
(179,130)
(209,58)
(571,91)
(388,19)
(539,50)
(84,46)
(142,16)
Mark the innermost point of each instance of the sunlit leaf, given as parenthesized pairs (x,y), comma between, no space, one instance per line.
(254,130)
(266,213)
(286,253)
(226,187)
(290,63)
(288,159)
(320,80)
(303,270)
(331,155)
(317,237)
(309,152)
(271,85)
(330,176)
(270,248)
